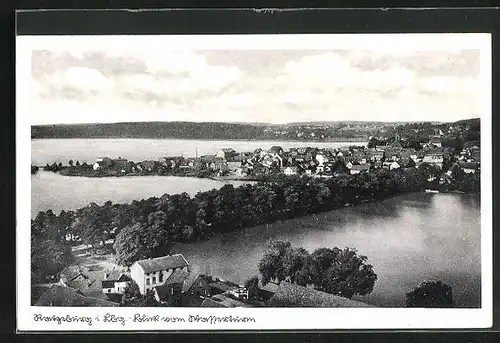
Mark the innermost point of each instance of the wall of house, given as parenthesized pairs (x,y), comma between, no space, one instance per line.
(120,287)
(137,274)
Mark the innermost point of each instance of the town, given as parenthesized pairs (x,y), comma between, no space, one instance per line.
(168,281)
(262,165)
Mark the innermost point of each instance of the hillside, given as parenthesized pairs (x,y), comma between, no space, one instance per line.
(313,131)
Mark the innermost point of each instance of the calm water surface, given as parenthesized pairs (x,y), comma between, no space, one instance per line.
(58,192)
(45,151)
(407,239)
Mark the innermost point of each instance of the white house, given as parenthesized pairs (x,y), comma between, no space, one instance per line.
(394,165)
(359,168)
(154,272)
(290,170)
(115,282)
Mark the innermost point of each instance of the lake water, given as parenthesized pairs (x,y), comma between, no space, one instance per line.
(58,192)
(45,151)
(407,239)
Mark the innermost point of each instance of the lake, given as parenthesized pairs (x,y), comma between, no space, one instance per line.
(407,239)
(58,192)
(45,151)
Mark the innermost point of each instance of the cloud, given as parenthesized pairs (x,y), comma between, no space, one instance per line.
(269,86)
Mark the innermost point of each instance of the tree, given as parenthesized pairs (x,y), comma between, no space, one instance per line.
(132,297)
(142,240)
(337,271)
(271,265)
(430,294)
(71,163)
(252,285)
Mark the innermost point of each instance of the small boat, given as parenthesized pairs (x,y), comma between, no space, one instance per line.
(431,191)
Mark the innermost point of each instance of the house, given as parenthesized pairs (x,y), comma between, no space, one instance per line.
(268,290)
(276,150)
(436,140)
(221,300)
(120,163)
(102,163)
(169,291)
(394,165)
(359,168)
(434,157)
(470,145)
(374,155)
(292,295)
(81,279)
(290,170)
(225,153)
(392,153)
(391,165)
(396,144)
(235,162)
(154,272)
(58,295)
(115,282)
(468,167)
(148,165)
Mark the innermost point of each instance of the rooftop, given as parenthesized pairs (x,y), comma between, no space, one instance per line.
(292,295)
(162,263)
(64,296)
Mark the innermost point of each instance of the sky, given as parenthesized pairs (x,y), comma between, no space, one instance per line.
(126,80)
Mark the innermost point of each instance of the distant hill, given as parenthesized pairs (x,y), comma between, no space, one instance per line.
(180,130)
(307,131)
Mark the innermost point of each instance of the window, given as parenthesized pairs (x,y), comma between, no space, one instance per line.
(160,277)
(154,279)
(147,281)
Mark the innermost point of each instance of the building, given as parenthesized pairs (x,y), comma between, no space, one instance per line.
(276,150)
(468,167)
(115,282)
(152,273)
(226,153)
(290,170)
(292,295)
(359,168)
(434,157)
(172,289)
(81,279)
(102,163)
(435,141)
(58,295)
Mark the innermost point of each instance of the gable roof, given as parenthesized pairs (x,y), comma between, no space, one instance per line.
(468,165)
(162,263)
(178,276)
(64,296)
(208,302)
(292,295)
(271,287)
(361,167)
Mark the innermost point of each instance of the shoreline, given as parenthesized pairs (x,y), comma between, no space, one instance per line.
(228,178)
